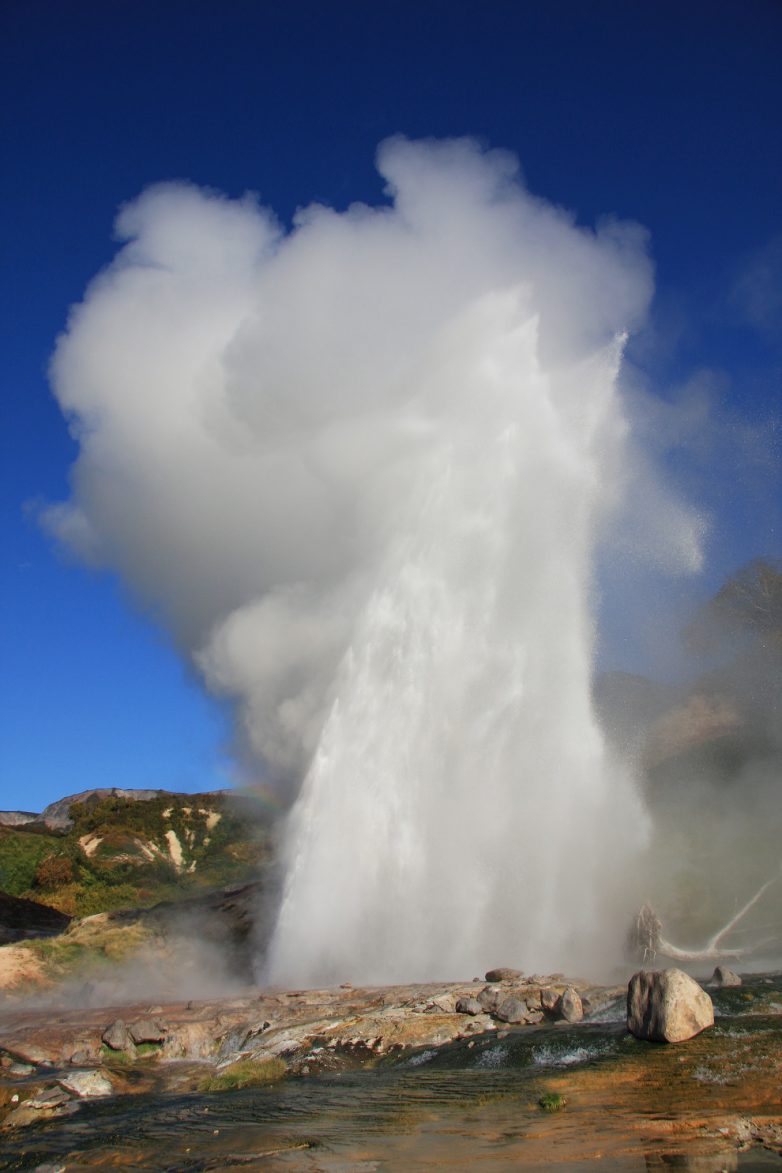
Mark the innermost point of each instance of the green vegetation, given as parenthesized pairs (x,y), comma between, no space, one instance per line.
(552,1102)
(244,1073)
(21,852)
(87,947)
(120,853)
(125,1058)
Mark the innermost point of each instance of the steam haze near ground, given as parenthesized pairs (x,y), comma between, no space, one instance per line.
(362,471)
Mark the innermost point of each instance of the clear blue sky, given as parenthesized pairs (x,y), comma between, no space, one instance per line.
(663,112)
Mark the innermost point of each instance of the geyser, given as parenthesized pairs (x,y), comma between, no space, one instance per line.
(362,470)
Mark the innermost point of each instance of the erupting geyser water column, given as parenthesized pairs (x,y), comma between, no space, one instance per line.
(461,804)
(361,470)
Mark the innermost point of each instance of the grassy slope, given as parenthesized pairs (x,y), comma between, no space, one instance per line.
(103,861)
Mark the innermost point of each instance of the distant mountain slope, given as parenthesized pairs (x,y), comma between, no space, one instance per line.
(17,818)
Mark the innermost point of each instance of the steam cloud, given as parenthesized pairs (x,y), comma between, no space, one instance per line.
(264,417)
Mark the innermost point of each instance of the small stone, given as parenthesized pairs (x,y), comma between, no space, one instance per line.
(50,1097)
(468,1006)
(147,1030)
(725,978)
(512,1010)
(81,1057)
(87,1085)
(549,999)
(117,1037)
(490,998)
(570,1005)
(444,1004)
(503,974)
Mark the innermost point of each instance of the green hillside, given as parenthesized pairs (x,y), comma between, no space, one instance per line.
(124,853)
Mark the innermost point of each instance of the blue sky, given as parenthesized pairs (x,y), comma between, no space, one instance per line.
(664,113)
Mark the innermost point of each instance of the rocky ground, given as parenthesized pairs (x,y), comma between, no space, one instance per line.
(721,1088)
(173,1045)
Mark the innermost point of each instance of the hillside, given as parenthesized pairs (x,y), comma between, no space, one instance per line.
(107,849)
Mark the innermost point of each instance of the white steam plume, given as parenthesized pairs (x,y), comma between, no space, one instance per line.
(360,471)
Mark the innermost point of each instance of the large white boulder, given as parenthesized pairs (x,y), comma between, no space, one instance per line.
(667,1006)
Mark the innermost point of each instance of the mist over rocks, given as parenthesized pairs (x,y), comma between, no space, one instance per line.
(362,470)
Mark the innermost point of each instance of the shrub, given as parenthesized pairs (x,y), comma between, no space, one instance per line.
(20,854)
(53,872)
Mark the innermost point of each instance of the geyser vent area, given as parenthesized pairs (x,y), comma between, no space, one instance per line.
(361,470)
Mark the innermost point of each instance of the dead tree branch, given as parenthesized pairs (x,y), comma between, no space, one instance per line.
(647,939)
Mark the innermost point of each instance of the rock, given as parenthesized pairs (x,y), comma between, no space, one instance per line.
(512,1010)
(468,1006)
(724,978)
(571,1007)
(50,1097)
(503,974)
(444,1004)
(87,1085)
(42,1105)
(534,1017)
(117,1036)
(147,1030)
(81,1057)
(549,999)
(667,1006)
(21,919)
(490,998)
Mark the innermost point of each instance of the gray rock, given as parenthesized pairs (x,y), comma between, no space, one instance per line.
(81,1057)
(468,1006)
(147,1030)
(444,1004)
(490,998)
(87,1085)
(503,974)
(549,999)
(667,1006)
(512,1010)
(570,1005)
(725,978)
(50,1097)
(117,1036)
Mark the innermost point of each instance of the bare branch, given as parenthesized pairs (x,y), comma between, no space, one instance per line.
(723,932)
(646,937)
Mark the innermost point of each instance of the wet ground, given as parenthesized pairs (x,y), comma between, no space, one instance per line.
(713,1103)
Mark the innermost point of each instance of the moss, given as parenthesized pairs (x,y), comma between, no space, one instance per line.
(244,1073)
(552,1102)
(126,1058)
